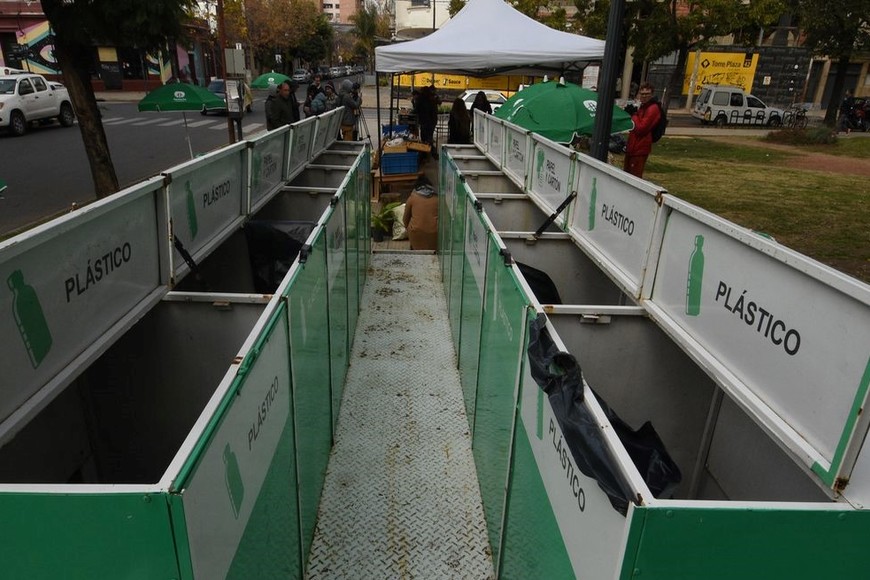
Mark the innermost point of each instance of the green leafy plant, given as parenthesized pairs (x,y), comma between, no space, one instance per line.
(383,219)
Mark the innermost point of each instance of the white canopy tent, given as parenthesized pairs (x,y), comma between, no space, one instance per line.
(490,37)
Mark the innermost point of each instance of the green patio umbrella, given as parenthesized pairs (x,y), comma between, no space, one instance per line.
(558,111)
(180,97)
(268,80)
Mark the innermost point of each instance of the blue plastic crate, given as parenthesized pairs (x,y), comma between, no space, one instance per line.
(397,129)
(399,162)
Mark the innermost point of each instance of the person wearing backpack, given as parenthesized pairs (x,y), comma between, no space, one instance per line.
(640,139)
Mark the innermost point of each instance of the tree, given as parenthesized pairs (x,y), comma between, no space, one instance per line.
(455,6)
(656,29)
(77,27)
(317,48)
(837,30)
(235,23)
(369,23)
(280,27)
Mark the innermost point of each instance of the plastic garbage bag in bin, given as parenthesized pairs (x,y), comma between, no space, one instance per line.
(541,284)
(558,374)
(272,247)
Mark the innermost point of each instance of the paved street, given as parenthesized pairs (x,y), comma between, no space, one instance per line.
(47,169)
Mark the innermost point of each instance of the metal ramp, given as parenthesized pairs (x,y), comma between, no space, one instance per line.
(401,496)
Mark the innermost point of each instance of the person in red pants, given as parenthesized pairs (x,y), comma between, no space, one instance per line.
(640,138)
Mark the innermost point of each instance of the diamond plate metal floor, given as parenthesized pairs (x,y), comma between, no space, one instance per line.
(401,498)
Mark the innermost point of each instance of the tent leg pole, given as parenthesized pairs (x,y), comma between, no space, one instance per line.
(187,134)
(378,101)
(392,90)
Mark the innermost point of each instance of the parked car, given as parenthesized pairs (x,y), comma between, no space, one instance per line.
(336,71)
(301,75)
(724,105)
(495,98)
(25,98)
(218,87)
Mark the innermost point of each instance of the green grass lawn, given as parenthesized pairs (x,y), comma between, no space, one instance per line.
(820,214)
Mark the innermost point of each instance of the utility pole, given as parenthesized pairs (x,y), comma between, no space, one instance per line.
(222,40)
(607,80)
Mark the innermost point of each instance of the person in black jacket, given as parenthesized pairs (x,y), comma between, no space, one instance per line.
(459,124)
(427,115)
(283,108)
(482,103)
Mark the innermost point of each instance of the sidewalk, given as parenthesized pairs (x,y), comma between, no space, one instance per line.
(370,100)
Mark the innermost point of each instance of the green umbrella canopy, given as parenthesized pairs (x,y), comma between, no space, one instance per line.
(270,79)
(558,111)
(180,97)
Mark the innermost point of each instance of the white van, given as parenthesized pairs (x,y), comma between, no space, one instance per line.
(724,105)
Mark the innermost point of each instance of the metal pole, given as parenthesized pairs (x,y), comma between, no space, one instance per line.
(222,40)
(378,101)
(604,109)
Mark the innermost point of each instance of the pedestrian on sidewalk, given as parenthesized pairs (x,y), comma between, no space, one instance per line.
(640,139)
(351,109)
(283,108)
(331,96)
(843,123)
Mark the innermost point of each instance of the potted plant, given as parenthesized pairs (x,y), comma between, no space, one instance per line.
(382,221)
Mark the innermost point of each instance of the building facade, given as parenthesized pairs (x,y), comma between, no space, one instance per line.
(26,42)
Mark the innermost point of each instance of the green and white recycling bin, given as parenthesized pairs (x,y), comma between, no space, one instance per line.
(689,397)
(151,394)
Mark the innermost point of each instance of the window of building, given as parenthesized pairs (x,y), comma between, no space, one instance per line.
(327,6)
(419,3)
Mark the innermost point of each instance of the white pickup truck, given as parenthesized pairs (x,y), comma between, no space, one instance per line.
(27,97)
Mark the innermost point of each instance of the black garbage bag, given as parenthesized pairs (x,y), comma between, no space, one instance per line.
(272,247)
(541,284)
(648,453)
(559,375)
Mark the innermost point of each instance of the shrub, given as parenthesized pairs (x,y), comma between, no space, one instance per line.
(811,136)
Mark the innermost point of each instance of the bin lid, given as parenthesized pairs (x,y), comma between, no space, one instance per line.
(786,336)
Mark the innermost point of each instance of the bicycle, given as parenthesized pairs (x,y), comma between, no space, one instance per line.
(795,117)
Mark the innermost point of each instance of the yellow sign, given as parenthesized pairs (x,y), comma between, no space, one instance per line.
(456,82)
(735,69)
(503,83)
(107,53)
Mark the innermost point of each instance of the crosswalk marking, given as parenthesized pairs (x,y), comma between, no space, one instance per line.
(222,125)
(149,121)
(171,123)
(252,127)
(120,121)
(111,119)
(200,123)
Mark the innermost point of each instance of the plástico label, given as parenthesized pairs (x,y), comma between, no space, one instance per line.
(205,201)
(70,286)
